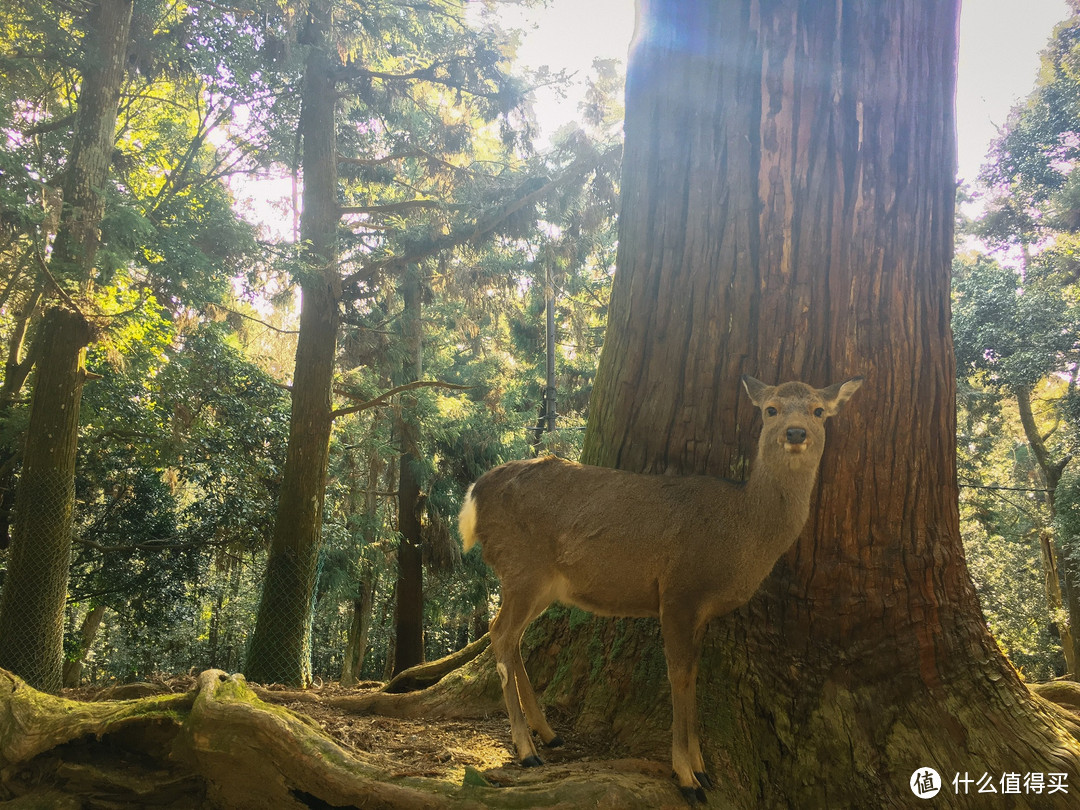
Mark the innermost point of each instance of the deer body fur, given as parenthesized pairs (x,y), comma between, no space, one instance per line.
(684,549)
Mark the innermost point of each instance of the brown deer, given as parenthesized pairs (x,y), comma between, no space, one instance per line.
(615,543)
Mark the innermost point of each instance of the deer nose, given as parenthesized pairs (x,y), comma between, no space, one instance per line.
(796,435)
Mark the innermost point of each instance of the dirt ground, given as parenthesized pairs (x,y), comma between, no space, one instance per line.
(429,748)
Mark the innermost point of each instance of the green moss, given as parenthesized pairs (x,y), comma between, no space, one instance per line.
(561,678)
(597,651)
(578,618)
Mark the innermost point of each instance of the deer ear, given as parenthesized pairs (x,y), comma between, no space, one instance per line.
(757,390)
(836,395)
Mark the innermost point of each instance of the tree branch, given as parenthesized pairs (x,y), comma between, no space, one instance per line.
(1035,440)
(398,207)
(358,161)
(483,225)
(969,485)
(379,400)
(49,126)
(421,154)
(212,306)
(56,285)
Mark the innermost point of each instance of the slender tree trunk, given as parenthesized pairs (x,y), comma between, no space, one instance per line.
(16,370)
(548,422)
(787,212)
(280,650)
(359,629)
(73,667)
(213,640)
(1071,579)
(409,614)
(1055,602)
(546,417)
(1061,590)
(35,589)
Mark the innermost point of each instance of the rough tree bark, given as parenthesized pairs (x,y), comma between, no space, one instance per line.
(35,588)
(280,650)
(787,211)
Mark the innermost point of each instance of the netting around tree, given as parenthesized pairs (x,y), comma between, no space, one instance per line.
(40,550)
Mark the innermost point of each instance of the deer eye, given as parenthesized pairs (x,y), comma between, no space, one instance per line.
(819,412)
(770,411)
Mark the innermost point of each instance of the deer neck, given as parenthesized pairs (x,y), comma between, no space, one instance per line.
(779,494)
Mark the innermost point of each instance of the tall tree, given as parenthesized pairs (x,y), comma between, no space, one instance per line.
(281,644)
(788,212)
(32,603)
(408,94)
(409,610)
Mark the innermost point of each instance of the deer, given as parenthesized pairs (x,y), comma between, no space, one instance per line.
(684,549)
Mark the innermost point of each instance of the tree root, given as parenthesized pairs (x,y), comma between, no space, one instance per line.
(471,690)
(1062,698)
(220,746)
(424,675)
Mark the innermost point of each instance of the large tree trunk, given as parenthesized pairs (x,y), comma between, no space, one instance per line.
(280,650)
(35,588)
(787,212)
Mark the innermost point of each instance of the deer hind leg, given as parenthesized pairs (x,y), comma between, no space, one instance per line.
(533,713)
(515,614)
(682,648)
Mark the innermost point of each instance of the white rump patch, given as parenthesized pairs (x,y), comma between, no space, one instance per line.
(467,521)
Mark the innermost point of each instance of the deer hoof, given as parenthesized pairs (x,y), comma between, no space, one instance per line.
(693,795)
(532,761)
(555,742)
(703,780)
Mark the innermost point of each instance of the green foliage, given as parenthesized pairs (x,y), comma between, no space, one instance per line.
(1009,331)
(185,422)
(1017,336)
(183,441)
(1067,517)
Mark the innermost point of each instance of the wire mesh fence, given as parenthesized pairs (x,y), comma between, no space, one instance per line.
(34,592)
(120,629)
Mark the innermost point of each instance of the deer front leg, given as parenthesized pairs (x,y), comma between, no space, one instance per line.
(682,648)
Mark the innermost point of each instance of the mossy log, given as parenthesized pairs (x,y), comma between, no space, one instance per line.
(220,746)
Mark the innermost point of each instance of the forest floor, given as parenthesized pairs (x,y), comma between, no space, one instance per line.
(406,762)
(430,748)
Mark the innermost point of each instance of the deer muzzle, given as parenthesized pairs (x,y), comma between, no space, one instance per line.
(795,439)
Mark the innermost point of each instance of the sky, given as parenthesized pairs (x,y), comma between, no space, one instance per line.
(1000,41)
